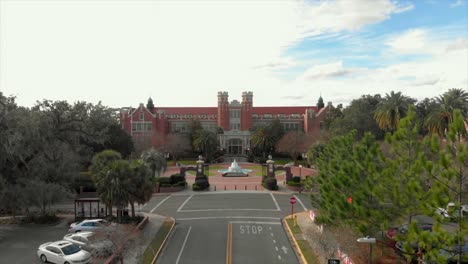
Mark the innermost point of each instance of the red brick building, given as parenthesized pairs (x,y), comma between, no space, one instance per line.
(148,127)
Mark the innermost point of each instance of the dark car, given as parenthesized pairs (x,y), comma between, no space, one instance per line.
(392,233)
(451,255)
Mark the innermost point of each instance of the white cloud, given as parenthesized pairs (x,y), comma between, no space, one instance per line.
(457,3)
(412,41)
(458,44)
(323,71)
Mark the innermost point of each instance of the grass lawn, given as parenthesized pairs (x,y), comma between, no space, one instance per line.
(156,243)
(303,244)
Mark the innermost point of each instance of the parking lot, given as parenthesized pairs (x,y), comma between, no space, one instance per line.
(19,243)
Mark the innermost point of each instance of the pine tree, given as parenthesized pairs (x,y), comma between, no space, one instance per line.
(320,103)
(150,105)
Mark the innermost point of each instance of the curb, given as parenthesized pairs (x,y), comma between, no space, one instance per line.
(295,245)
(164,241)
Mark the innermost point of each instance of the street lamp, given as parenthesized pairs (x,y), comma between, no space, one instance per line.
(300,170)
(370,241)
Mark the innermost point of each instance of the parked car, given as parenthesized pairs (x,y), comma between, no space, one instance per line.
(450,212)
(392,233)
(90,242)
(63,252)
(452,255)
(88,225)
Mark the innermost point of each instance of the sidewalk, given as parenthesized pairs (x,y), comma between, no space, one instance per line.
(134,253)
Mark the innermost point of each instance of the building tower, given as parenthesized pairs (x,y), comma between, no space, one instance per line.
(223,110)
(246,110)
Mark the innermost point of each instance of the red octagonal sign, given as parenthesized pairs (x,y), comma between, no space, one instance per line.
(292,200)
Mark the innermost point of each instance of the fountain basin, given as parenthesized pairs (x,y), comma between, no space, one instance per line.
(235,171)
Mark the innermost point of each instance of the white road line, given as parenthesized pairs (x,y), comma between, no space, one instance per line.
(272,234)
(161,202)
(300,202)
(238,209)
(276,202)
(276,248)
(274,241)
(227,217)
(183,204)
(279,257)
(254,222)
(183,246)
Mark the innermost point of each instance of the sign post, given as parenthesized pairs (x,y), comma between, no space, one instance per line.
(292,201)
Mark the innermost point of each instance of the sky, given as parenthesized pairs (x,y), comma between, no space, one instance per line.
(181,53)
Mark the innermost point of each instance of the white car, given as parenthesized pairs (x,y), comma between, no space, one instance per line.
(91,243)
(88,225)
(63,252)
(445,212)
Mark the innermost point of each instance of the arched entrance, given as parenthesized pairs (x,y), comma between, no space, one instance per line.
(234,146)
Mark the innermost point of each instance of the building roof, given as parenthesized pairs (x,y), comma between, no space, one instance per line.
(282,109)
(189,110)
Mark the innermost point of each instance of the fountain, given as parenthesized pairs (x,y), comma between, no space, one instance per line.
(235,171)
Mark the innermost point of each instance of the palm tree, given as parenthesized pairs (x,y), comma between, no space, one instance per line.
(391,109)
(142,184)
(206,141)
(262,140)
(439,119)
(155,161)
(114,185)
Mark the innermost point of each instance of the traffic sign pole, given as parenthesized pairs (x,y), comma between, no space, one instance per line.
(292,201)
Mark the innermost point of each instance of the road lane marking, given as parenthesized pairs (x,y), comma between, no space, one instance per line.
(300,202)
(229,245)
(276,248)
(274,241)
(285,250)
(254,222)
(161,202)
(276,202)
(183,245)
(226,217)
(225,209)
(183,204)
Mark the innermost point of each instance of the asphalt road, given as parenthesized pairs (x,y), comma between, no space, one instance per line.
(226,227)
(19,243)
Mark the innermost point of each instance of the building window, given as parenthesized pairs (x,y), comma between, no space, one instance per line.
(142,116)
(267,115)
(235,126)
(141,126)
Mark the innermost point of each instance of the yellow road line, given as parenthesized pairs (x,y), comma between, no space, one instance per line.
(229,245)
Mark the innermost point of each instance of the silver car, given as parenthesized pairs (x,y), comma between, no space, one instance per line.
(90,242)
(88,225)
(63,252)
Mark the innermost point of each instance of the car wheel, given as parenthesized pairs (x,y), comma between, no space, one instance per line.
(66,262)
(77,231)
(43,258)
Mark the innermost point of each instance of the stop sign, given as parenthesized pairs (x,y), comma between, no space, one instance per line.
(292,200)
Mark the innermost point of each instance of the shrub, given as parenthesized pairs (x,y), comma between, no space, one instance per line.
(176,178)
(294,184)
(202,183)
(163,180)
(41,219)
(195,187)
(296,178)
(270,184)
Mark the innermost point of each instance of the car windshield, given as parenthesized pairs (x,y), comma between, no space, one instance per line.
(71,249)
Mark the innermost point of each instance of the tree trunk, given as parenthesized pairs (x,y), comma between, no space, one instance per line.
(132,204)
